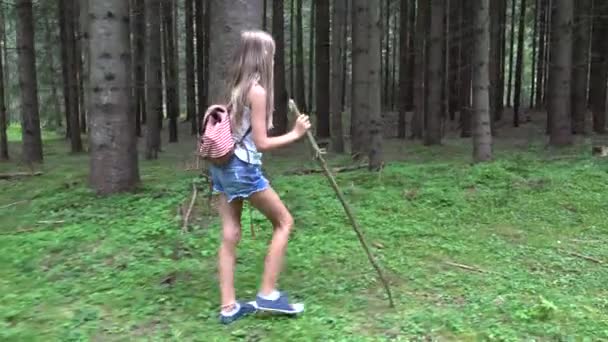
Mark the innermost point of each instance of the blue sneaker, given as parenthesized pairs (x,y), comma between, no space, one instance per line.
(244,310)
(280,305)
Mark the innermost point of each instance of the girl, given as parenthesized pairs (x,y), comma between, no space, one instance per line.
(251,100)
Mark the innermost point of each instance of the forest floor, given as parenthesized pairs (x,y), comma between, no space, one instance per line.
(509,250)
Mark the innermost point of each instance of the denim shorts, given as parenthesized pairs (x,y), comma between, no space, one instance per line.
(238,179)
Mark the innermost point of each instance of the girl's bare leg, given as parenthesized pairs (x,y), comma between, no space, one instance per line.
(230,214)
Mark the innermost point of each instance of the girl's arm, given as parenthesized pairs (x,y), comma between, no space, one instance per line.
(257,99)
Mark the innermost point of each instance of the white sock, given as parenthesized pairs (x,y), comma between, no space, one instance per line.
(274,295)
(232,312)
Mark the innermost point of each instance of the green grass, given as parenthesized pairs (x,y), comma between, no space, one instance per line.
(76,267)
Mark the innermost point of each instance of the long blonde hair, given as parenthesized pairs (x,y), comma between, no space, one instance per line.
(252,64)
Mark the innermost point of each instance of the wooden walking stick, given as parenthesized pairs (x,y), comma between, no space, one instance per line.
(332,181)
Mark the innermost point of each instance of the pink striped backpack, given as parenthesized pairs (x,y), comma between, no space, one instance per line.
(216,139)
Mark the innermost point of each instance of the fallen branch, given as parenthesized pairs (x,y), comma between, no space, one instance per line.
(30,230)
(587,241)
(334,170)
(466,267)
(332,181)
(19,175)
(189,211)
(585,257)
(51,222)
(12,204)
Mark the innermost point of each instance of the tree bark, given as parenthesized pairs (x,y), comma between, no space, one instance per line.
(500,92)
(292,57)
(26,52)
(81,44)
(4,52)
(322,68)
(139,37)
(580,65)
(466,113)
(511,53)
(280,86)
(153,79)
(3,120)
(420,69)
(404,55)
(171,69)
(361,82)
(534,48)
(434,69)
(540,63)
(51,41)
(229,18)
(113,164)
(519,63)
(560,73)
(376,155)
(311,59)
(482,136)
(599,67)
(71,87)
(495,9)
(385,39)
(300,81)
(190,81)
(337,73)
(202,92)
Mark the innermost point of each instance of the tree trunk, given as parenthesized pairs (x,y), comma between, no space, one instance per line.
(265,15)
(237,15)
(114,164)
(466,113)
(311,59)
(3,138)
(540,64)
(500,93)
(548,52)
(337,73)
(599,65)
(411,66)
(519,63)
(26,52)
(50,45)
(456,35)
(292,58)
(170,69)
(560,73)
(4,52)
(420,71)
(361,81)
(78,57)
(404,54)
(322,68)
(71,86)
(482,136)
(580,65)
(65,68)
(534,48)
(84,43)
(190,85)
(393,87)
(385,36)
(139,37)
(511,53)
(280,86)
(434,69)
(376,156)
(495,9)
(153,79)
(206,49)
(202,92)
(300,82)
